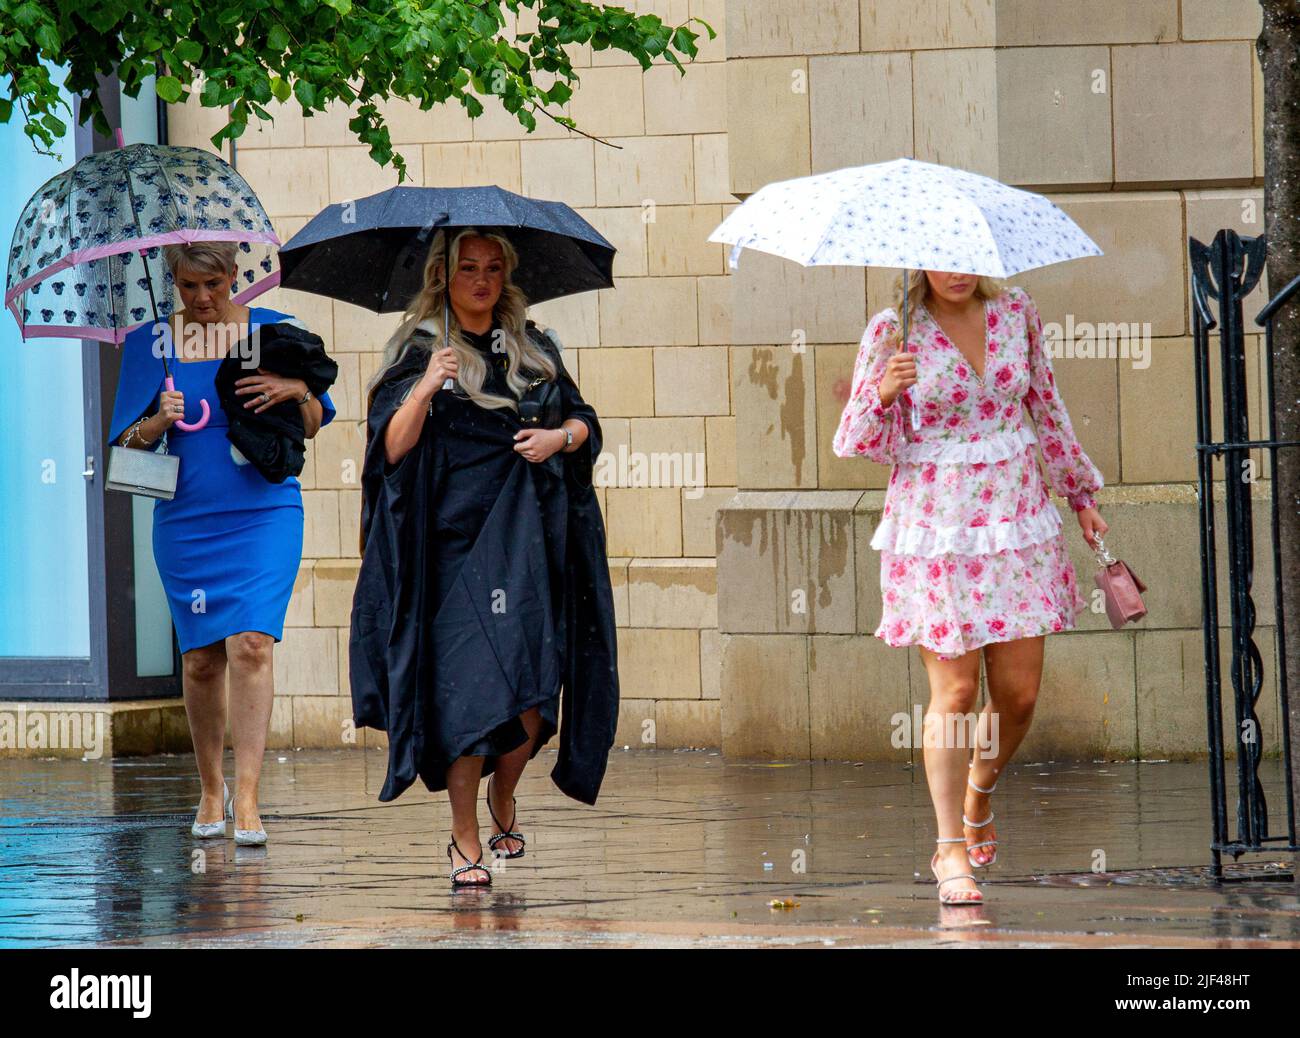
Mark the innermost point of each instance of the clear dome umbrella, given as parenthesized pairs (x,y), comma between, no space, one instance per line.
(87,248)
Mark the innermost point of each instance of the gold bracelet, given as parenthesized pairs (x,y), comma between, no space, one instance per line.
(136,434)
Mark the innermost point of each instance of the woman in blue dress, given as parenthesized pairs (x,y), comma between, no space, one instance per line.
(229,544)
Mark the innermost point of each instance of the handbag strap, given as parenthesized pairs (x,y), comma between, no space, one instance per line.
(1102,554)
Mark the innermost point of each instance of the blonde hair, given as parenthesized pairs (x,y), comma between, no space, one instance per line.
(202,257)
(510,313)
(918,291)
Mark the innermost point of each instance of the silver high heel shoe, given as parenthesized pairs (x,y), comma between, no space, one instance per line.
(246,837)
(210,830)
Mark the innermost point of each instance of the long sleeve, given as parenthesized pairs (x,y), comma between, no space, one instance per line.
(581,462)
(1070,472)
(867,427)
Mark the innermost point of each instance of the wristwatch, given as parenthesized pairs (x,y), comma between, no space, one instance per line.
(568,437)
(306,397)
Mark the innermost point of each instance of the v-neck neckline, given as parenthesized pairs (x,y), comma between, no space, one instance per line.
(979,377)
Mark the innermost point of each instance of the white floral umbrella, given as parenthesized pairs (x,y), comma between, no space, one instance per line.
(905,213)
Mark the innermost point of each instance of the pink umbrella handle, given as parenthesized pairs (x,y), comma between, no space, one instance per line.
(120,140)
(203,404)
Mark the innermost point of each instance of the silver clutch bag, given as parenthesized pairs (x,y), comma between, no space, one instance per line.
(151,473)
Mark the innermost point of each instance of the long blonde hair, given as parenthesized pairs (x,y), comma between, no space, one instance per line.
(510,313)
(918,292)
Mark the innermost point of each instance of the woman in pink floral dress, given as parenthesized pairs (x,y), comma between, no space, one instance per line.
(972,549)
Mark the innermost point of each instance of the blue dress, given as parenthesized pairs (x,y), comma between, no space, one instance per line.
(229,544)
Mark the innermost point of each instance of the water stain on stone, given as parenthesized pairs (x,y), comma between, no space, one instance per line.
(764,371)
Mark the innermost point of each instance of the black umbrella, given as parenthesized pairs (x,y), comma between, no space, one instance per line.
(371,252)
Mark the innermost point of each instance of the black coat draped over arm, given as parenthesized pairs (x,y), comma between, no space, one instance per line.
(499,561)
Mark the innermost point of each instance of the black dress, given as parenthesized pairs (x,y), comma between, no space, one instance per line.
(468,702)
(484,589)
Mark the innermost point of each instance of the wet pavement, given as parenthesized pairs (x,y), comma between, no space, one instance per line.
(683,849)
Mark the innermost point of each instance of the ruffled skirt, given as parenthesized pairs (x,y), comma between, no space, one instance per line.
(952,604)
(972,551)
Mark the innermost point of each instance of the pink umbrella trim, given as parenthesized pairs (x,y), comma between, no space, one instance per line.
(184,235)
(72,331)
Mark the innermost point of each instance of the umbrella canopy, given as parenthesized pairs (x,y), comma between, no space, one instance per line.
(371,252)
(76,267)
(908,214)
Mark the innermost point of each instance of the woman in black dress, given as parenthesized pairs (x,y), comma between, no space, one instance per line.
(484,588)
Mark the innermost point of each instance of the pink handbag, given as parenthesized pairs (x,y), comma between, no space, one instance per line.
(1121,586)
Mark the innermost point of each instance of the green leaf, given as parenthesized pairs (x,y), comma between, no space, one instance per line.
(342,6)
(280,88)
(48,39)
(278,38)
(483,23)
(513,57)
(357,48)
(169,89)
(305,92)
(189,51)
(27,15)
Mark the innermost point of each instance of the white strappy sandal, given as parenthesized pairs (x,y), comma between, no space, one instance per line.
(980,825)
(957,897)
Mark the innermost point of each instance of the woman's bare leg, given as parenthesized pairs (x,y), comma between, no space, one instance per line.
(1014,670)
(462,791)
(203,681)
(252,690)
(954,687)
(509,769)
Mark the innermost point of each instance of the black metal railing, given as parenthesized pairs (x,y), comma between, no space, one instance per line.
(1226,271)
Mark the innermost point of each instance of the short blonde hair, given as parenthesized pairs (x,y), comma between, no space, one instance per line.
(202,257)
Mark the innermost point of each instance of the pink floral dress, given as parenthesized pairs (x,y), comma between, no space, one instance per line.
(971,548)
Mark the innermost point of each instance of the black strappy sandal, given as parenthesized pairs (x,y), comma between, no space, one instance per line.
(459,870)
(506,833)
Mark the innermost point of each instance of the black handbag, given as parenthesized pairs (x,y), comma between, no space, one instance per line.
(541,403)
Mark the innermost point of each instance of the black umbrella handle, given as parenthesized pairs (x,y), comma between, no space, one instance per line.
(450,383)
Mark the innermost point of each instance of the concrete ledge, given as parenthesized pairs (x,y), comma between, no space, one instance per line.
(127,728)
(813,682)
